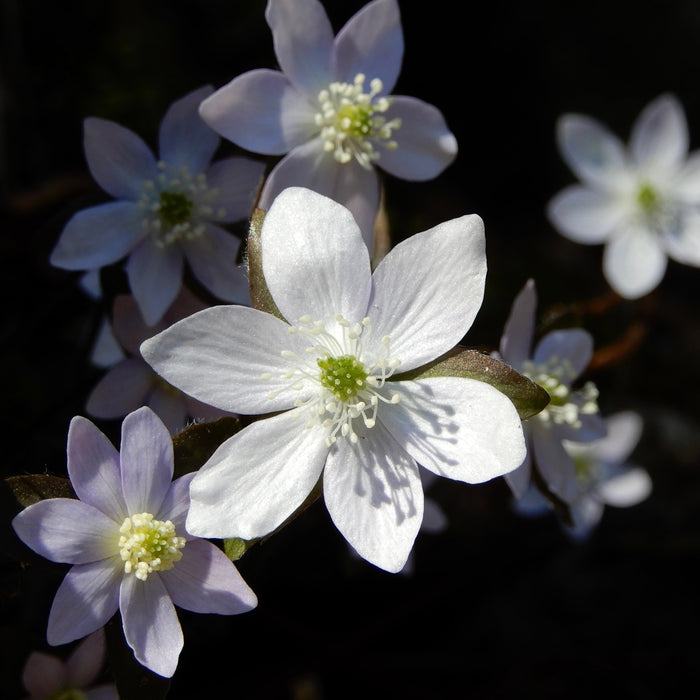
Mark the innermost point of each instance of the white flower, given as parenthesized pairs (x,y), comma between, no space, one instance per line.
(330,111)
(555,364)
(642,201)
(167,210)
(327,375)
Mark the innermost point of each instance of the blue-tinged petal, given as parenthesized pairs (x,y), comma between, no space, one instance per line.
(459,428)
(427,291)
(237,181)
(155,277)
(228,357)
(206,581)
(262,112)
(659,140)
(519,479)
(85,601)
(634,261)
(176,504)
(146,461)
(624,430)
(686,185)
(626,489)
(303,40)
(349,184)
(374,495)
(212,259)
(93,468)
(314,259)
(98,236)
(184,139)
(68,531)
(371,43)
(425,145)
(574,345)
(584,215)
(122,390)
(86,661)
(151,627)
(44,675)
(170,405)
(119,160)
(554,463)
(516,341)
(257,478)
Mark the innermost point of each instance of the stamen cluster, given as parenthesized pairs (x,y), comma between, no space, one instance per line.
(176,204)
(351,119)
(148,545)
(661,214)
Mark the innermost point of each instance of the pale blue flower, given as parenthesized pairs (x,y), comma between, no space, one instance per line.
(127,542)
(167,210)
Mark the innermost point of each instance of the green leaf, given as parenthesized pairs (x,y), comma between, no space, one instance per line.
(529,398)
(259,293)
(194,445)
(32,488)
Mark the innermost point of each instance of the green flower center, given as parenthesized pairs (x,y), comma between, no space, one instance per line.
(343,376)
(356,120)
(147,545)
(586,469)
(175,208)
(648,197)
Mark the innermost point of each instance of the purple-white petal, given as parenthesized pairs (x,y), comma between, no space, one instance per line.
(516,341)
(519,479)
(119,160)
(427,291)
(554,463)
(67,530)
(98,236)
(93,468)
(123,389)
(206,581)
(228,357)
(85,601)
(262,112)
(155,277)
(686,185)
(257,478)
(425,144)
(459,428)
(151,627)
(43,675)
(146,461)
(87,659)
(683,244)
(371,43)
(573,345)
(374,495)
(170,405)
(627,489)
(237,181)
(303,41)
(184,139)
(314,259)
(176,504)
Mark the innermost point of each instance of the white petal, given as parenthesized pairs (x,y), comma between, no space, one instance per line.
(237,181)
(659,138)
(146,461)
(85,601)
(574,345)
(459,428)
(594,153)
(428,289)
(122,390)
(262,112)
(516,341)
(155,278)
(98,236)
(374,495)
(683,244)
(519,479)
(257,478)
(184,139)
(221,354)
(118,159)
(212,258)
(371,43)
(314,259)
(151,627)
(634,262)
(585,215)
(686,184)
(623,432)
(586,513)
(554,463)
(349,184)
(303,39)
(627,489)
(425,145)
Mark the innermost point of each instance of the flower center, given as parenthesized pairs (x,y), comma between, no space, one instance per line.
(176,204)
(648,198)
(565,405)
(339,381)
(147,545)
(587,469)
(351,121)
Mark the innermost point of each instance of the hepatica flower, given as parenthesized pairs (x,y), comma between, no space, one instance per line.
(556,362)
(328,373)
(168,210)
(127,542)
(330,109)
(641,201)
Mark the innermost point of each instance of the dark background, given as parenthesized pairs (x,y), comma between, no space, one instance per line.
(498,606)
